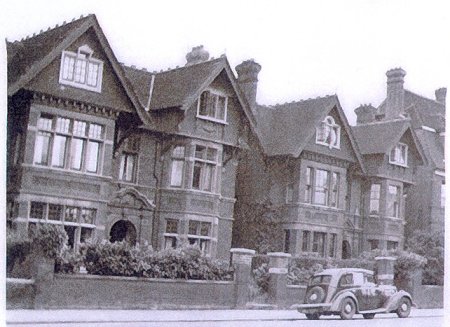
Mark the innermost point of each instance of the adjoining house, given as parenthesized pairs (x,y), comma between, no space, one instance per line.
(119,153)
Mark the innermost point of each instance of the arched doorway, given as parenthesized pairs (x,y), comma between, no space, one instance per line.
(346,250)
(123,230)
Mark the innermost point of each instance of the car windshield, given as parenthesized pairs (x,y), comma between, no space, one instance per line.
(321,279)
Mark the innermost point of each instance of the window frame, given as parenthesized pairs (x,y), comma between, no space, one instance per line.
(79,225)
(198,238)
(84,53)
(179,158)
(217,95)
(57,126)
(397,150)
(330,193)
(329,124)
(171,238)
(394,200)
(203,163)
(372,199)
(124,159)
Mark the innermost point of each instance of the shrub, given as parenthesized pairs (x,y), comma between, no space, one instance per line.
(49,239)
(17,249)
(121,259)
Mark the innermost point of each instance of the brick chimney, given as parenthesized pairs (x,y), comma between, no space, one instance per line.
(197,55)
(248,80)
(395,93)
(365,113)
(441,95)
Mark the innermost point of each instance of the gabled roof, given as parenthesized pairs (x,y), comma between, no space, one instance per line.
(430,112)
(381,137)
(433,148)
(287,128)
(28,57)
(181,87)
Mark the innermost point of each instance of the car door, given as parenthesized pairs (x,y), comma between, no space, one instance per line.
(371,294)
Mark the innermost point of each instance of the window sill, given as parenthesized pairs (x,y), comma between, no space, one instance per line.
(318,206)
(214,120)
(398,164)
(337,147)
(63,170)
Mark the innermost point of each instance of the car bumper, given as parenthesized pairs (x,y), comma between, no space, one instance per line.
(312,308)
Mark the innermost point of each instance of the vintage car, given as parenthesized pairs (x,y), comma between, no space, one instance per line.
(346,291)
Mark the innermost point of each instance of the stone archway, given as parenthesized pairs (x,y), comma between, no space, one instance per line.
(346,250)
(123,230)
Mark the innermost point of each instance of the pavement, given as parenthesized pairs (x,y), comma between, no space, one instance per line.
(103,316)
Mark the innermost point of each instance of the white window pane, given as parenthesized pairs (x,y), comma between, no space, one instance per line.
(45,123)
(207,178)
(68,67)
(62,125)
(41,148)
(95,131)
(176,178)
(93,69)
(80,71)
(79,128)
(130,168)
(221,107)
(59,151)
(77,153)
(92,157)
(196,175)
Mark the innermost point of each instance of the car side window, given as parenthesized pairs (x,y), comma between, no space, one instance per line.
(346,280)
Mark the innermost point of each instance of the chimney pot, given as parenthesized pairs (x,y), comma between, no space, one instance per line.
(197,55)
(365,113)
(441,95)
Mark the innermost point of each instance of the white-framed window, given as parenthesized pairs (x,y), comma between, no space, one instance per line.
(212,106)
(68,144)
(443,194)
(199,233)
(204,170)
(290,193)
(78,222)
(319,243)
(374,203)
(177,172)
(128,167)
(80,69)
(171,234)
(399,155)
(328,133)
(322,187)
(393,201)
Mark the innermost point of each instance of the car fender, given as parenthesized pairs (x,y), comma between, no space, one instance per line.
(336,303)
(393,301)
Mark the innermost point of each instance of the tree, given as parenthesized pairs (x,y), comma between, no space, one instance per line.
(430,246)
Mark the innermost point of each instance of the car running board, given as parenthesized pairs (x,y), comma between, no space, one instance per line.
(381,310)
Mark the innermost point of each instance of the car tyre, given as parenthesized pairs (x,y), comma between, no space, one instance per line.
(315,295)
(369,315)
(404,307)
(348,308)
(312,316)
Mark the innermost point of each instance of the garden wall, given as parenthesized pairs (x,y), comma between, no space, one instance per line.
(429,296)
(110,292)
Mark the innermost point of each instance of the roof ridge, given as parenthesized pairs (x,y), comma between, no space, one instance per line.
(302,100)
(424,97)
(396,120)
(49,28)
(169,69)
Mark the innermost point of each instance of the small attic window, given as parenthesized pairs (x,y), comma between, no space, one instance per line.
(212,105)
(329,133)
(399,155)
(81,70)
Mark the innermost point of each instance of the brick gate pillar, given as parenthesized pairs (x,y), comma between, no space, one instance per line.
(278,270)
(242,261)
(385,267)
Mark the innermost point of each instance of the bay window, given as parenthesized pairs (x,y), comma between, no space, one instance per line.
(393,201)
(68,144)
(374,205)
(171,234)
(199,234)
(322,187)
(319,243)
(205,161)
(78,222)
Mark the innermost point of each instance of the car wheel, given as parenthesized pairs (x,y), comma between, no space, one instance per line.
(348,308)
(312,316)
(315,295)
(369,315)
(404,307)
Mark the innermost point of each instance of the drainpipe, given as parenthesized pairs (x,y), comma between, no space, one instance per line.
(157,197)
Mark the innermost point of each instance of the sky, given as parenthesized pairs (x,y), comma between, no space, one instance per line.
(306,48)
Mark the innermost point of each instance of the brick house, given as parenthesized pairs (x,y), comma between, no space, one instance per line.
(118,153)
(113,152)
(424,196)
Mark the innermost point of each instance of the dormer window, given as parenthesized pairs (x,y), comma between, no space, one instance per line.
(329,133)
(212,106)
(399,155)
(81,70)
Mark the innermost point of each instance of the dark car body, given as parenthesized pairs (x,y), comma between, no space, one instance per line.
(346,291)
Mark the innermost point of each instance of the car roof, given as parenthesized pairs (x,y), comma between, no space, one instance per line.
(339,271)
